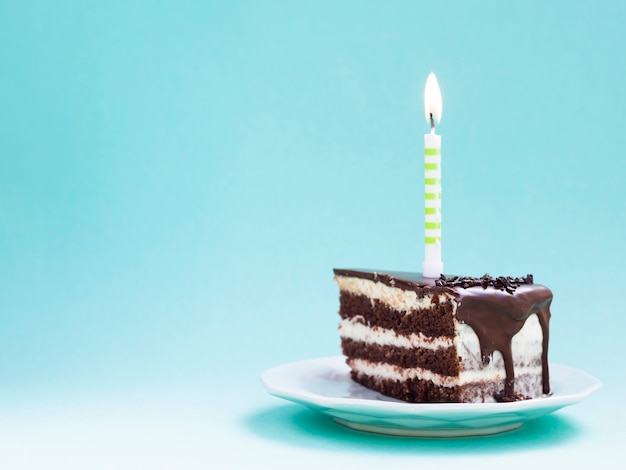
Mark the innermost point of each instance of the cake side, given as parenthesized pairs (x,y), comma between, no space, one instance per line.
(403,337)
(399,341)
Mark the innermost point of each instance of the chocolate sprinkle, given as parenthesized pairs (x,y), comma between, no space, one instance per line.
(504,283)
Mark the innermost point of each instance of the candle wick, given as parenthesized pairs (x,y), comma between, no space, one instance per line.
(432,124)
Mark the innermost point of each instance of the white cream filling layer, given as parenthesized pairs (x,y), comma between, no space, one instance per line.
(354,328)
(388,371)
(399,299)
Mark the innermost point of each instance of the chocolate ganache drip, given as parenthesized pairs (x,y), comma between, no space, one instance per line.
(497,309)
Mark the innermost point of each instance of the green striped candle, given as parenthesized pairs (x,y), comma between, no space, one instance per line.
(433,265)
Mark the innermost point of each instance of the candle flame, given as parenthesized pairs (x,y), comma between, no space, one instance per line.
(432,99)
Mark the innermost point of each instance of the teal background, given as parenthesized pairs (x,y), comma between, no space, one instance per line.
(178,179)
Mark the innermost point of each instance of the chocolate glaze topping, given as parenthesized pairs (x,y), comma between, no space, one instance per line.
(495,308)
(403,280)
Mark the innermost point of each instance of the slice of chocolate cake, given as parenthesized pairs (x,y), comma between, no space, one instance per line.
(454,339)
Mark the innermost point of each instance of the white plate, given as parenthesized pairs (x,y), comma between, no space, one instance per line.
(325,385)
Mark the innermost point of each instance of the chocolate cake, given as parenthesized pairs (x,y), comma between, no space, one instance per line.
(452,339)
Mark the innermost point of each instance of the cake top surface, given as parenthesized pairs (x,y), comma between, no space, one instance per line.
(405,280)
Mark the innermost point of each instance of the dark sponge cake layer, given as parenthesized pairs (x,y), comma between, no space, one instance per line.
(411,390)
(441,361)
(436,321)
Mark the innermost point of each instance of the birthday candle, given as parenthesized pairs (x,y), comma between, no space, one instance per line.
(433,265)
